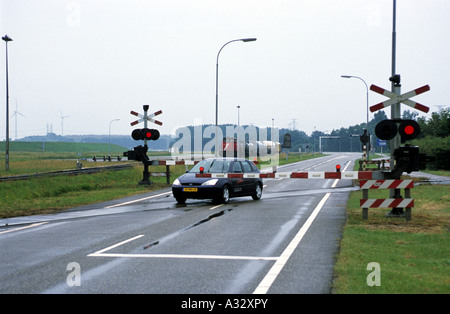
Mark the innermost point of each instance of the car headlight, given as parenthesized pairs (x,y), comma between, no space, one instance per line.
(210,182)
(176,182)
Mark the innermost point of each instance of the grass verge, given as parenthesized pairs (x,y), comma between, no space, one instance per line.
(414,256)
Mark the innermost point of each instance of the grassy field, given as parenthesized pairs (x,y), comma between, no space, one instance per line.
(413,256)
(52,194)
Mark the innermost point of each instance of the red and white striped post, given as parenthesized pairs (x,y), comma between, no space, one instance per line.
(367,203)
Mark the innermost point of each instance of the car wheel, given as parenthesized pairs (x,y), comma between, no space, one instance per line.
(258,192)
(224,197)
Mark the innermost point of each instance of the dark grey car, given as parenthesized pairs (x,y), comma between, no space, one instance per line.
(220,190)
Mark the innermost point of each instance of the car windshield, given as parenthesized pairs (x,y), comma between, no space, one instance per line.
(212,166)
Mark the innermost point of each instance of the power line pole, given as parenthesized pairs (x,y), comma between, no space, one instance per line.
(6,39)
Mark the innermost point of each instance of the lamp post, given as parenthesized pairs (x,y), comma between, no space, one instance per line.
(367,105)
(217,85)
(6,39)
(238,107)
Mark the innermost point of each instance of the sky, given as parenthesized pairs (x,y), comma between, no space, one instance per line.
(93,61)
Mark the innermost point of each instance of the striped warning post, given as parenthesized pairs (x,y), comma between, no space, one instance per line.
(388,202)
(386,184)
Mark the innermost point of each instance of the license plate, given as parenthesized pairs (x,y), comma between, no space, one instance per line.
(190,189)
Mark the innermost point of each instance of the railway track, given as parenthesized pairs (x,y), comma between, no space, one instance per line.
(66,172)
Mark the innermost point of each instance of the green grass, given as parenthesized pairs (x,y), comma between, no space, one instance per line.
(52,194)
(61,147)
(49,195)
(414,256)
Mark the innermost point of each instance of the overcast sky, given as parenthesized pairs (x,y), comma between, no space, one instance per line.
(95,60)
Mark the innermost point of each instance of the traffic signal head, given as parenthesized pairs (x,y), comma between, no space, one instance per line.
(364,138)
(386,130)
(145,134)
(338,168)
(408,130)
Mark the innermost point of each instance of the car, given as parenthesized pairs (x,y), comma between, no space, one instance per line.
(220,190)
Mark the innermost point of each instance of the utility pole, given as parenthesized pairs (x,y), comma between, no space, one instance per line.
(395,109)
(6,39)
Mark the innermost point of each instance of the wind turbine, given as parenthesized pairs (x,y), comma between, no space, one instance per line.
(15,114)
(62,122)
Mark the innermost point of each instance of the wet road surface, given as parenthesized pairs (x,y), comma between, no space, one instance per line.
(284,243)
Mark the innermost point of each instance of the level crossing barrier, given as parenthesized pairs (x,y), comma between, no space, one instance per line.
(407,203)
(353,175)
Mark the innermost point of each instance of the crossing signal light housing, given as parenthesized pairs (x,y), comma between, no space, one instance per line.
(145,134)
(338,168)
(408,130)
(386,130)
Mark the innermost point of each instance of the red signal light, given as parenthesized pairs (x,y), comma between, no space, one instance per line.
(409,129)
(338,168)
(202,169)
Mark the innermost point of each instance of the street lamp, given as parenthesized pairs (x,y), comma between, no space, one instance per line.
(238,107)
(6,39)
(367,105)
(245,40)
(217,73)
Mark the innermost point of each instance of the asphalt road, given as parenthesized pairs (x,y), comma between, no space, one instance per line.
(284,243)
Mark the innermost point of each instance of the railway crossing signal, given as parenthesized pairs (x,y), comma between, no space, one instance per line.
(146,117)
(139,153)
(388,129)
(404,98)
(145,134)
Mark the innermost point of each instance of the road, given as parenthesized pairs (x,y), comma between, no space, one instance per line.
(284,243)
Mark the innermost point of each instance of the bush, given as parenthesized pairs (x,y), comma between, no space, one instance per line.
(439,147)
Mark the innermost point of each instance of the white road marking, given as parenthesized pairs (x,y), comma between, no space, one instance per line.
(188,256)
(281,261)
(101,253)
(217,206)
(116,245)
(22,228)
(138,200)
